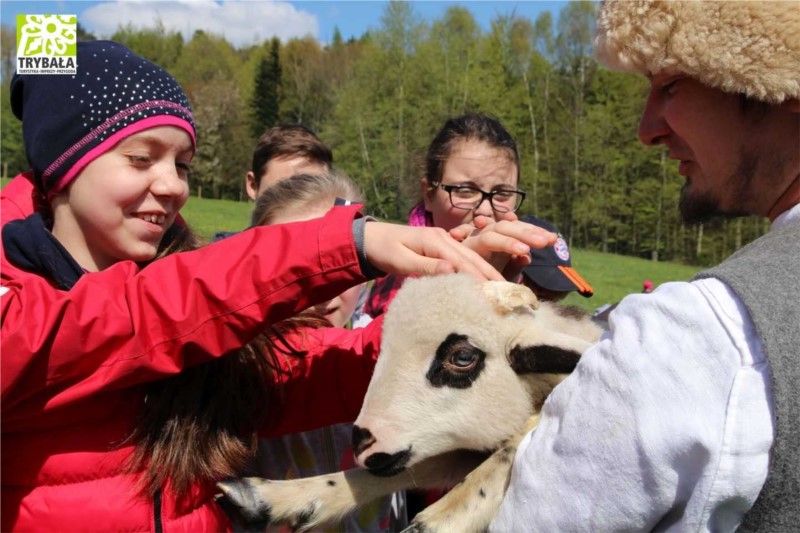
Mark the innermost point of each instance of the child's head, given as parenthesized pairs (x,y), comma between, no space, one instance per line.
(284,151)
(476,153)
(303,197)
(110,149)
(68,121)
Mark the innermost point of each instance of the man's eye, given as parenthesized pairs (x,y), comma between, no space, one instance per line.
(185,167)
(669,88)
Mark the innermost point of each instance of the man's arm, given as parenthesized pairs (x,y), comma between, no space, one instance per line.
(666,422)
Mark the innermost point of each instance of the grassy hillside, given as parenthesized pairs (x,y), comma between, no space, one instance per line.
(611,276)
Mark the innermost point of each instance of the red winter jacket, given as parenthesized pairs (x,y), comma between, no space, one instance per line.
(74,363)
(16,198)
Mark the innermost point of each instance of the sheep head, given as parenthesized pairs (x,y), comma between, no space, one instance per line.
(463,365)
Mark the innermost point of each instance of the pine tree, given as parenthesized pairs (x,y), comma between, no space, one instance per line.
(265,104)
(337,40)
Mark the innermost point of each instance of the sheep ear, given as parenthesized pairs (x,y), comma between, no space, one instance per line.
(507,297)
(547,352)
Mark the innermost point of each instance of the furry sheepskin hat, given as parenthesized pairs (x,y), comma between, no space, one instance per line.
(748,47)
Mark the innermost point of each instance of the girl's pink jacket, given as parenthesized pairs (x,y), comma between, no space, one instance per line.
(74,363)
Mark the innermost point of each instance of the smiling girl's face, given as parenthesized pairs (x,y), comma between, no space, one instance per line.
(119,207)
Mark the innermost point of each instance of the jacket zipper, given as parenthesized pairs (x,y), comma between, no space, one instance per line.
(159,527)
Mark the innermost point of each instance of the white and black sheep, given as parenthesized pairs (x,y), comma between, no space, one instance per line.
(463,372)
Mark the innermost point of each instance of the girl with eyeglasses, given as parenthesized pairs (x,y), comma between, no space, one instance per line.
(472,169)
(470,177)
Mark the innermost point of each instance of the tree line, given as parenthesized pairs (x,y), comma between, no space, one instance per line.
(378,100)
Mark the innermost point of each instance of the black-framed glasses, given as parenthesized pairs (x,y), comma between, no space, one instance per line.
(469,197)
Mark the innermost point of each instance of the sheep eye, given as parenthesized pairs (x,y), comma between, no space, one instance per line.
(458,363)
(462,360)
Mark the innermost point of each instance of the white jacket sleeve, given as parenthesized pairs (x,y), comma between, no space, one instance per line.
(665,424)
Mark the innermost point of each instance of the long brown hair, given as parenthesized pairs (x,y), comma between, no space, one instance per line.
(200,426)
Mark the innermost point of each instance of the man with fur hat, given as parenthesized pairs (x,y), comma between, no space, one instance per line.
(684,417)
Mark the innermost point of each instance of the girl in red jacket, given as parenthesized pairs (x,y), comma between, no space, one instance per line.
(110,360)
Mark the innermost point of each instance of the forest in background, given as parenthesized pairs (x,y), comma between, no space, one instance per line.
(379,100)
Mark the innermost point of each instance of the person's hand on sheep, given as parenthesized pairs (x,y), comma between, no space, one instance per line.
(422,250)
(505,244)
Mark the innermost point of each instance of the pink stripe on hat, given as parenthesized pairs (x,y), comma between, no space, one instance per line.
(110,123)
(116,138)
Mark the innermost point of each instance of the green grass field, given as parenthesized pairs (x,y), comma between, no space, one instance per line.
(615,276)
(611,276)
(206,217)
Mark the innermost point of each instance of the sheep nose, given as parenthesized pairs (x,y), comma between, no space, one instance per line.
(362,439)
(388,464)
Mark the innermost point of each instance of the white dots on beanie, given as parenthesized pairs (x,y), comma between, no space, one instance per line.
(104,98)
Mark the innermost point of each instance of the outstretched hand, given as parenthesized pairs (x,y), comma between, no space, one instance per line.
(404,250)
(505,244)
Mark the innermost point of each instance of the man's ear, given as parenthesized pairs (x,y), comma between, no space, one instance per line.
(251,184)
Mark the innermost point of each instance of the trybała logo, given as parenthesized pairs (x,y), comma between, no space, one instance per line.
(47,44)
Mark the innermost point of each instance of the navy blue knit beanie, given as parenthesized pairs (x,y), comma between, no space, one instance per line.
(68,121)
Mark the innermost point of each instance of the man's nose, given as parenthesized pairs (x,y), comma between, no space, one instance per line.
(652,126)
